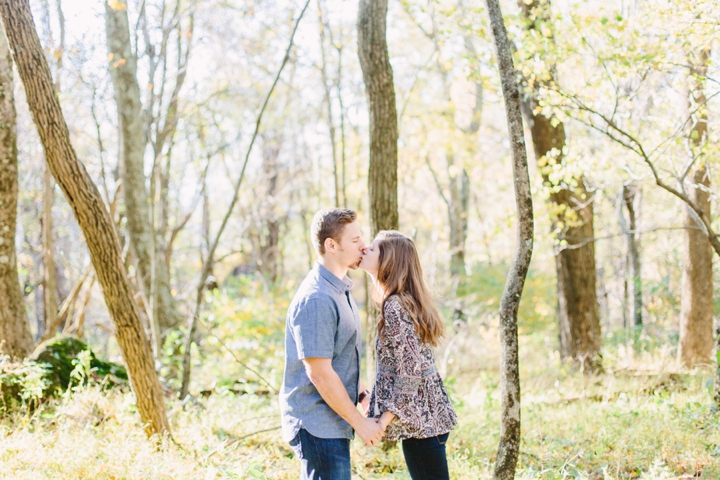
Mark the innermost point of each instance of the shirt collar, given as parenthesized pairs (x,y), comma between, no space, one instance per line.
(343,285)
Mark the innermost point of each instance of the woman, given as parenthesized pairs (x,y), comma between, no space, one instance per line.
(409,397)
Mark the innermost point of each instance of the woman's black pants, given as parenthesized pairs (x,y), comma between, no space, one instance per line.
(425,457)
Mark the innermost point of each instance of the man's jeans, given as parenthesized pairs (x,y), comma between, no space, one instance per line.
(322,458)
(425,457)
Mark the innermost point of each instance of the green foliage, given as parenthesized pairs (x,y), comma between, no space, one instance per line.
(55,366)
(68,359)
(483,289)
(244,326)
(21,384)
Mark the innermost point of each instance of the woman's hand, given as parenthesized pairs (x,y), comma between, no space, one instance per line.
(385,419)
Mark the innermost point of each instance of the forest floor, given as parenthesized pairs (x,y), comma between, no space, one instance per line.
(644,418)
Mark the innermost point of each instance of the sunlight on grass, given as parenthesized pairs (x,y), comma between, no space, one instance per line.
(646,418)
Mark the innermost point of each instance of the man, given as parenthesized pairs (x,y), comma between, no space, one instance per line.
(321,384)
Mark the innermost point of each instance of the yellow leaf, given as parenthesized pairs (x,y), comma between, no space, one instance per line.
(110,56)
(120,63)
(117,5)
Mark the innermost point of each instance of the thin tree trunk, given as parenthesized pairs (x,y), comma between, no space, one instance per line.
(509,447)
(209,261)
(15,338)
(328,103)
(380,91)
(79,321)
(631,198)
(458,212)
(89,209)
(123,70)
(270,245)
(50,301)
(50,281)
(696,315)
(572,219)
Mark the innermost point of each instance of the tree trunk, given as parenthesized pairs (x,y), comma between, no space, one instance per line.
(459,205)
(50,280)
(89,209)
(631,199)
(572,220)
(509,447)
(270,245)
(380,91)
(696,316)
(123,70)
(15,338)
(50,301)
(322,21)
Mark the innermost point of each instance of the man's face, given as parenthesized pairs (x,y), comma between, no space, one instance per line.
(350,247)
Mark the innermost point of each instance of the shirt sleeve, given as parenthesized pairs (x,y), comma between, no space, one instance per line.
(313,327)
(403,347)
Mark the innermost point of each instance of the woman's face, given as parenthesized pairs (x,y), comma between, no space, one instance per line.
(371,259)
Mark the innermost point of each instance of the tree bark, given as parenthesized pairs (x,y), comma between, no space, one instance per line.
(696,314)
(50,301)
(323,24)
(89,209)
(270,245)
(15,338)
(123,70)
(380,91)
(458,213)
(509,447)
(631,199)
(50,280)
(572,218)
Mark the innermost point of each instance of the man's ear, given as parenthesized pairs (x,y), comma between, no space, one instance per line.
(330,245)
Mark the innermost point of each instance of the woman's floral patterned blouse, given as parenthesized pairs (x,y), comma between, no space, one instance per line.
(407,382)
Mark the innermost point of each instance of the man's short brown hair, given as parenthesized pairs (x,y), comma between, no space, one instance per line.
(329,223)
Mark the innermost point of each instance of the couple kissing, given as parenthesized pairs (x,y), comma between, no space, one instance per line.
(321,383)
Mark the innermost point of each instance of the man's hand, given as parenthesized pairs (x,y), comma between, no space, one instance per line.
(370,430)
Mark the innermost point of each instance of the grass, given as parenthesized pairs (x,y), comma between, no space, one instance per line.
(646,418)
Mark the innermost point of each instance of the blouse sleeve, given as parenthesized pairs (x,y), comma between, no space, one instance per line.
(403,379)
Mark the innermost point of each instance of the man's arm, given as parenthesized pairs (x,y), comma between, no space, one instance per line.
(332,390)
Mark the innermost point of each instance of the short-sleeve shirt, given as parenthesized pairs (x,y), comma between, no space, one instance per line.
(322,322)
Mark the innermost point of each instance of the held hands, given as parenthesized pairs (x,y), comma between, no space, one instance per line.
(382,422)
(371,431)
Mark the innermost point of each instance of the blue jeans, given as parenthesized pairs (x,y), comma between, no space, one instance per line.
(322,458)
(425,457)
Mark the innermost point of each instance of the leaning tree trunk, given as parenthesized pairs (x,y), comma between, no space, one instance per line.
(696,315)
(123,70)
(380,90)
(509,447)
(89,209)
(15,338)
(572,217)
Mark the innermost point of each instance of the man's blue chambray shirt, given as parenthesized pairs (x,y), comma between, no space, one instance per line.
(322,322)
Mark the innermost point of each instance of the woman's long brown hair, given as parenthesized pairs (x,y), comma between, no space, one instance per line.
(400,273)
